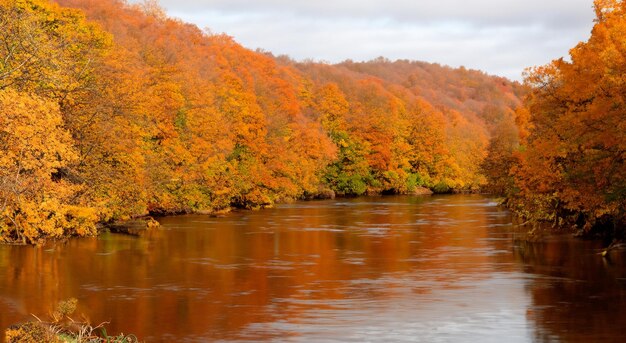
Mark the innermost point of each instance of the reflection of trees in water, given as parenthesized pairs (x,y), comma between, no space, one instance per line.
(215,277)
(577,295)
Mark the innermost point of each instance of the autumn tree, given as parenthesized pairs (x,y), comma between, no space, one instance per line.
(47,49)
(34,199)
(573,166)
(429,159)
(350,173)
(503,145)
(45,61)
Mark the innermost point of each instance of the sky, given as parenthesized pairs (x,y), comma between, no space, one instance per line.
(499,37)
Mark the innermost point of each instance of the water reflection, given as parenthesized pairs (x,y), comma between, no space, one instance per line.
(369,269)
(577,296)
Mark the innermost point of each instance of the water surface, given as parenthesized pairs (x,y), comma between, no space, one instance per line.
(382,269)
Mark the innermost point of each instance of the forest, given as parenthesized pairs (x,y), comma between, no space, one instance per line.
(111,110)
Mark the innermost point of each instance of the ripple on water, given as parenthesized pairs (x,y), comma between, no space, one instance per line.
(374,270)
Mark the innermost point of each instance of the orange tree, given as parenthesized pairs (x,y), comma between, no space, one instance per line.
(572,163)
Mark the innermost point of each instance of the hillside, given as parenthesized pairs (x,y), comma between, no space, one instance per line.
(148,114)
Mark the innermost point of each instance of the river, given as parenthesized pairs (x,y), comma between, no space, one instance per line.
(380,269)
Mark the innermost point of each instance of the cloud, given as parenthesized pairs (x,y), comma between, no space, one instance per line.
(500,37)
(476,11)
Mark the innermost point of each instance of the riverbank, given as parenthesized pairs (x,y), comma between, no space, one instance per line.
(141,223)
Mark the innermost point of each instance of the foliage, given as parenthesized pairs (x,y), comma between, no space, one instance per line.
(497,165)
(118,110)
(36,148)
(569,168)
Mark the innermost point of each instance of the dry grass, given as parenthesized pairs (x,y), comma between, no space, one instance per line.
(61,328)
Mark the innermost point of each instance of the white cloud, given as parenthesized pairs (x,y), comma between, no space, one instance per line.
(500,37)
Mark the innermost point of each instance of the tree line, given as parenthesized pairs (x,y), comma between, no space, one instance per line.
(111,110)
(563,161)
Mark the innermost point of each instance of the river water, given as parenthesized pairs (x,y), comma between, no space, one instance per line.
(380,269)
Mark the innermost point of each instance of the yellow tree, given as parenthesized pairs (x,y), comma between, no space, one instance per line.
(46,48)
(55,53)
(35,200)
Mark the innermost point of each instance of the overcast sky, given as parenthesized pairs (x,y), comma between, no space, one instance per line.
(501,37)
